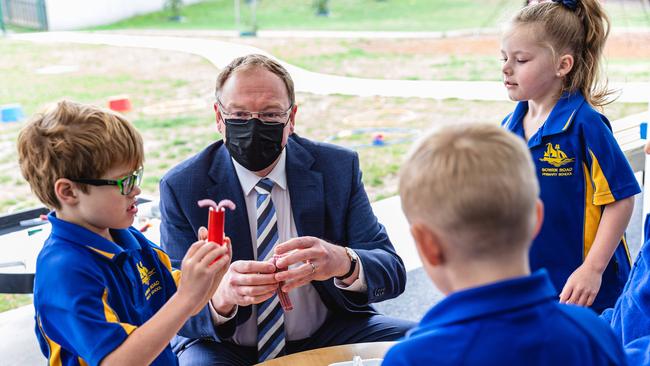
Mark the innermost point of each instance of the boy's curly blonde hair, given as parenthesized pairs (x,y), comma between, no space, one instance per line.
(74,140)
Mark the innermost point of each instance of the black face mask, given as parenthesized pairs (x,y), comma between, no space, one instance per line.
(252,143)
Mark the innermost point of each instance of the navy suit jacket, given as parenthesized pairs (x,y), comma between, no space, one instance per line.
(328,201)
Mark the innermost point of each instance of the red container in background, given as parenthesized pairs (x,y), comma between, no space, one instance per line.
(119,104)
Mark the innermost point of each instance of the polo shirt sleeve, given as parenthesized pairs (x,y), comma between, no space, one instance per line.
(166,261)
(73,311)
(610,173)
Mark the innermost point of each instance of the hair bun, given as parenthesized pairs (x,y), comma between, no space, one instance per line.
(570,4)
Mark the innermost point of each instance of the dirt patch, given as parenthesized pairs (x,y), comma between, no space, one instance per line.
(634,46)
(627,45)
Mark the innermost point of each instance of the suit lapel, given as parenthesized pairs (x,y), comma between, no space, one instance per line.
(305,190)
(227,186)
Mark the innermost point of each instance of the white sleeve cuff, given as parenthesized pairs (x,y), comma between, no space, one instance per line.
(218,319)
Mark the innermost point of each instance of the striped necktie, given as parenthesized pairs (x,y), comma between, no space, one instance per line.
(270,317)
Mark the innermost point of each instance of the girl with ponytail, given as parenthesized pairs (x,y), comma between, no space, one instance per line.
(551,66)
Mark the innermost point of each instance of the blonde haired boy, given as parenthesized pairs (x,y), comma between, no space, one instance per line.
(470,195)
(103,293)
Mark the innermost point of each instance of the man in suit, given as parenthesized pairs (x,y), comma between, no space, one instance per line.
(295,198)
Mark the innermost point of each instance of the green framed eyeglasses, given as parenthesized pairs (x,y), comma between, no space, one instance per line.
(126,184)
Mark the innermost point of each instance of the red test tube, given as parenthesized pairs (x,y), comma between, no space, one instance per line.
(216,221)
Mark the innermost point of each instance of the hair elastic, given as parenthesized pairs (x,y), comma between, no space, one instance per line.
(569,4)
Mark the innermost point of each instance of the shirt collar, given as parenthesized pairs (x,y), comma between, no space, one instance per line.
(98,244)
(249,179)
(499,297)
(558,121)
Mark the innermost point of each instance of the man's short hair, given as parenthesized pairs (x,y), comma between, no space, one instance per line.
(475,185)
(256,60)
(73,140)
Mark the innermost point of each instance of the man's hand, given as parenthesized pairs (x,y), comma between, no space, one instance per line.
(245,283)
(319,260)
(582,286)
(201,273)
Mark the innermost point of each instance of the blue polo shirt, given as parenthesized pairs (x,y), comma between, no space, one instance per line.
(512,322)
(91,293)
(630,318)
(580,168)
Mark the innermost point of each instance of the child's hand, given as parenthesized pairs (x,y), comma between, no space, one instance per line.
(582,286)
(201,274)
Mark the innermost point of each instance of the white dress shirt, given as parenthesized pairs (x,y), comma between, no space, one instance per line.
(309,312)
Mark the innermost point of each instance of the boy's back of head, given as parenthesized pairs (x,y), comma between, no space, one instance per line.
(470,194)
(474,186)
(73,140)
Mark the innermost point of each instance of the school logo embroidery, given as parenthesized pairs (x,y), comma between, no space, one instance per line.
(555,156)
(145,274)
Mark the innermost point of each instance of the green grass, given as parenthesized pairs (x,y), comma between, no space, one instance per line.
(392,15)
(628,14)
(388,15)
(11,301)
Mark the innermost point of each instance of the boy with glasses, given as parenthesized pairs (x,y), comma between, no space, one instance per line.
(103,293)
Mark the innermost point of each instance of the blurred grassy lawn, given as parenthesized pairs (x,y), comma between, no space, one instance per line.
(391,15)
(377,15)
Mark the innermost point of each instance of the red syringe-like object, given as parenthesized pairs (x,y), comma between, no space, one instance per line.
(216,222)
(285,301)
(216,218)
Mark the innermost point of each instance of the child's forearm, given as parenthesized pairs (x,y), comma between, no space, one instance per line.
(613,223)
(146,342)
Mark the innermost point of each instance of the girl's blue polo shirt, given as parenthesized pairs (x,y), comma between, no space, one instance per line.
(91,293)
(581,169)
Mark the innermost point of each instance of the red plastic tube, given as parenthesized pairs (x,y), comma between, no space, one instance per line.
(216,222)
(285,301)
(216,218)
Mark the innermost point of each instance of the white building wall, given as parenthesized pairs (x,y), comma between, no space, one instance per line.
(76,14)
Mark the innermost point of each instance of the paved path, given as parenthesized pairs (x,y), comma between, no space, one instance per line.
(220,53)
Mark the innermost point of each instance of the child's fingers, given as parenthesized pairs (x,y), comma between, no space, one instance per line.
(565,294)
(575,296)
(202,250)
(583,300)
(228,243)
(214,253)
(193,248)
(590,300)
(203,233)
(220,263)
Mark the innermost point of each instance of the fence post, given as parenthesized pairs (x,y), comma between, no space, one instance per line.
(2,20)
(42,15)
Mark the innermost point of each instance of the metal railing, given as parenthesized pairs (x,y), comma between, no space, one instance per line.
(24,13)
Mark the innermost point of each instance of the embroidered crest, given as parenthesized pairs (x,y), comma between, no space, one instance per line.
(145,274)
(555,156)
